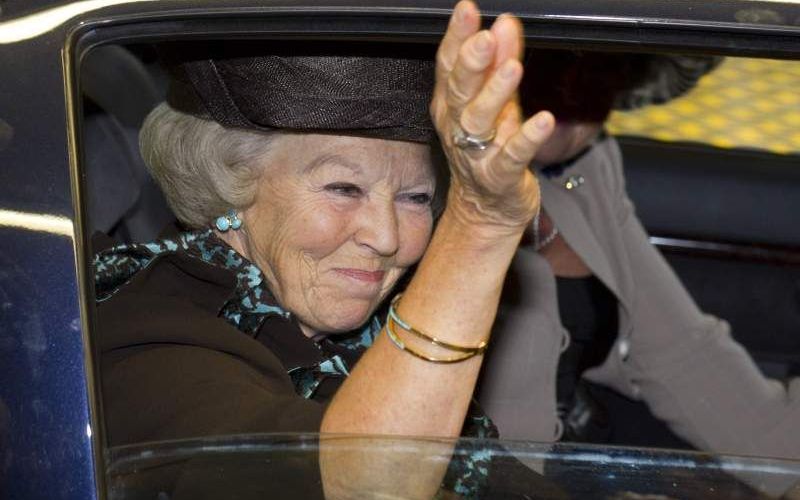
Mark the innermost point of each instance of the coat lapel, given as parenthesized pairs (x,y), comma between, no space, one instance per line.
(566,207)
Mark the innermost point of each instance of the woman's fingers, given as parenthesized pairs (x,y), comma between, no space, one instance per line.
(482,113)
(469,73)
(521,147)
(478,73)
(483,78)
(464,22)
(507,31)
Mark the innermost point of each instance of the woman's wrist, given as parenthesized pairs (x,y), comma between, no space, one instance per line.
(495,214)
(476,230)
(456,288)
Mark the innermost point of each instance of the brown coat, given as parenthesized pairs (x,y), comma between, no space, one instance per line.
(683,363)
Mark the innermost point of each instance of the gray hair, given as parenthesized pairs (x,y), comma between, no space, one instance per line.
(203,168)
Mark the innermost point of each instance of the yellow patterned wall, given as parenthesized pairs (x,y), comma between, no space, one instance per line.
(750,103)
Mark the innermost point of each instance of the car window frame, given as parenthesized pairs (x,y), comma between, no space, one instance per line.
(416,24)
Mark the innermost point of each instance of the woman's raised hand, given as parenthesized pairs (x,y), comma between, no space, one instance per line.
(479,123)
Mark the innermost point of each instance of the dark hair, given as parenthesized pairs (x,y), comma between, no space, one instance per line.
(585,86)
(577,85)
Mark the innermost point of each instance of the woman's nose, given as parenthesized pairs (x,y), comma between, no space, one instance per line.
(378,227)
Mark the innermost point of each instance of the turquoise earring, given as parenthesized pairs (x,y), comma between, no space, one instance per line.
(230,220)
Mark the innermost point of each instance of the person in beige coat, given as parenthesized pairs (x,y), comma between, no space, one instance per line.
(665,351)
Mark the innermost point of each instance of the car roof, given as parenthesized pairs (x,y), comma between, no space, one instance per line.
(760,16)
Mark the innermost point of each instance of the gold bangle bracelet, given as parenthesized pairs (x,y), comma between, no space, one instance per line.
(403,347)
(479,349)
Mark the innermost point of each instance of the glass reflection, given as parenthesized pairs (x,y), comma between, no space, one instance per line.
(286,466)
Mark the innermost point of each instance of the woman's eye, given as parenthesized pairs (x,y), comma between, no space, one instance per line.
(344,189)
(419,198)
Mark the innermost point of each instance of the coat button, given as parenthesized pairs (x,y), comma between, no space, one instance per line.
(574,182)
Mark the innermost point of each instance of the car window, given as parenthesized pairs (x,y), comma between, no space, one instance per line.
(741,122)
(744,103)
(282,467)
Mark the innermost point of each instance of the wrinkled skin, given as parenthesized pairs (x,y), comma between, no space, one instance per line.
(477,75)
(336,222)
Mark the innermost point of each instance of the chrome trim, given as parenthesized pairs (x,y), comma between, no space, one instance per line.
(33,25)
(771,254)
(72,103)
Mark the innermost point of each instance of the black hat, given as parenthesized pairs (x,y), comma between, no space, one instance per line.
(246,85)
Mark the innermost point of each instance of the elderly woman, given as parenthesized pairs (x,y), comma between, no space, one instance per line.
(589,299)
(308,187)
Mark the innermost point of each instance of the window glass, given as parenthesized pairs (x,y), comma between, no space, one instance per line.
(743,103)
(703,203)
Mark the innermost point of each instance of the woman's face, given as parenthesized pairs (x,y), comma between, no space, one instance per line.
(336,221)
(567,140)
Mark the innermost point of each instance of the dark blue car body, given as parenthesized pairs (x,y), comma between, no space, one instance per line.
(51,434)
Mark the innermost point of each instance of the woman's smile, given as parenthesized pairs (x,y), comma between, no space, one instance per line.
(361,274)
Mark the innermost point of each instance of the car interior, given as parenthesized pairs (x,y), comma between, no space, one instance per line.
(723,215)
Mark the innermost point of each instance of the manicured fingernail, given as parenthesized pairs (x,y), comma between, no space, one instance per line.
(483,41)
(542,120)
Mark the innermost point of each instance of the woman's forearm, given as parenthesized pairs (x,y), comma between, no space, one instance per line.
(453,296)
